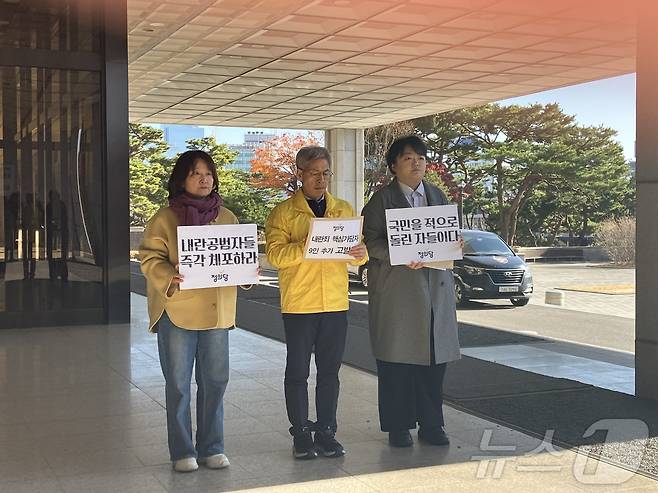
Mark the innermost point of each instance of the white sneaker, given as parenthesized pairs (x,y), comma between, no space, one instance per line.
(217,461)
(188,464)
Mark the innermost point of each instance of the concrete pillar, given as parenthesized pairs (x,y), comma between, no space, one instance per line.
(346,148)
(646,261)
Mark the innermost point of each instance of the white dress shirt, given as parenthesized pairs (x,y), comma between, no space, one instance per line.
(416,198)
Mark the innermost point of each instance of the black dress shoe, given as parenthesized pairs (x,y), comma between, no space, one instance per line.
(433,436)
(400,438)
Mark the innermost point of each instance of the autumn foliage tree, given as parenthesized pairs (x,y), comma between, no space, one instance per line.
(376,141)
(274,167)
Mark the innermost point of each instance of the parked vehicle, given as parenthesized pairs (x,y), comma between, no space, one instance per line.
(489,270)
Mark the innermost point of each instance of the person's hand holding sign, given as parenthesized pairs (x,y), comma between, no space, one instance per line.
(358,251)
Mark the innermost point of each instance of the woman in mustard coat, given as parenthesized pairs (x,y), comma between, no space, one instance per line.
(192,325)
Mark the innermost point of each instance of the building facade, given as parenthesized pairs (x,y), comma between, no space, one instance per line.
(63,151)
(178,135)
(247,150)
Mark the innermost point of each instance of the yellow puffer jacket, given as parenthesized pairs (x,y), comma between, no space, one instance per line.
(307,286)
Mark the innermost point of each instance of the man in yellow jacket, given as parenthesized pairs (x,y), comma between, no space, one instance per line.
(314,303)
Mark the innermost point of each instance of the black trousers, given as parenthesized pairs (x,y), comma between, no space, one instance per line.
(325,333)
(410,394)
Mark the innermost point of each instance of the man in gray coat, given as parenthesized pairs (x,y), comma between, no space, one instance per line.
(413,320)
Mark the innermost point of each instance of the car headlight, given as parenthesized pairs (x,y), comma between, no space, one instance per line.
(474,271)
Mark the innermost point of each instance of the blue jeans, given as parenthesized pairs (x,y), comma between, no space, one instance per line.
(179,349)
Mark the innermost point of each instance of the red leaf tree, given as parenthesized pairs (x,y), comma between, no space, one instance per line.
(274,164)
(438,174)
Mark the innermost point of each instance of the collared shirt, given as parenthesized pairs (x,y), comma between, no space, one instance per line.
(416,198)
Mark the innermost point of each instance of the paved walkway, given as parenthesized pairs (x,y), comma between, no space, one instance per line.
(82,411)
(550,276)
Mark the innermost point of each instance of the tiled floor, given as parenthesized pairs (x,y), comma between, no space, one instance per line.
(81,410)
(556,364)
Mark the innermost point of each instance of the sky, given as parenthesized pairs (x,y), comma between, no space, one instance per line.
(609,102)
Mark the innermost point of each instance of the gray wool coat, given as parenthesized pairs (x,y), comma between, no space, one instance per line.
(401,300)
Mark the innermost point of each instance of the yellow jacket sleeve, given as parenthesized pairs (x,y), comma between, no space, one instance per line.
(281,251)
(154,254)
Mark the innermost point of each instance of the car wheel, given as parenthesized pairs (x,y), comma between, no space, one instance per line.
(460,297)
(363,274)
(520,301)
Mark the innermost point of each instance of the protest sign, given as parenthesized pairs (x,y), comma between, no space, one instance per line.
(423,234)
(217,255)
(331,239)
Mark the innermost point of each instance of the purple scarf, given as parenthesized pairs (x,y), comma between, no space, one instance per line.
(196,212)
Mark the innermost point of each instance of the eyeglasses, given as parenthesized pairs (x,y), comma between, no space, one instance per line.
(316,175)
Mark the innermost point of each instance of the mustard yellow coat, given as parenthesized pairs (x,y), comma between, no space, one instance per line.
(307,286)
(195,309)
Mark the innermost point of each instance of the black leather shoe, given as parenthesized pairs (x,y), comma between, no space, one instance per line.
(400,438)
(433,436)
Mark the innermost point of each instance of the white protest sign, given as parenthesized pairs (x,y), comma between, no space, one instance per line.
(423,234)
(331,239)
(217,255)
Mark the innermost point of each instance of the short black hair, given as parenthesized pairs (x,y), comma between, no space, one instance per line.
(398,146)
(184,165)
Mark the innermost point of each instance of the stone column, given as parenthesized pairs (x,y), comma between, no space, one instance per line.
(346,148)
(646,260)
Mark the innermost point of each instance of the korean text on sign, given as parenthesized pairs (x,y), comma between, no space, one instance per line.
(423,234)
(217,255)
(331,239)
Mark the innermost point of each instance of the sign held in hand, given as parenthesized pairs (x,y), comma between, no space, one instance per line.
(331,239)
(423,234)
(217,255)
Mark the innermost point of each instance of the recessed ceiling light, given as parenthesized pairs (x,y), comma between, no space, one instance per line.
(156,24)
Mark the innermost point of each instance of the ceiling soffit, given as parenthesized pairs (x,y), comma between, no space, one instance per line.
(361,63)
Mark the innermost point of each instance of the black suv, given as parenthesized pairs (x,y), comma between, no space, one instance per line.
(489,270)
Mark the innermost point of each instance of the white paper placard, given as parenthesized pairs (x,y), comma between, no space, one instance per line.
(217,255)
(331,239)
(423,234)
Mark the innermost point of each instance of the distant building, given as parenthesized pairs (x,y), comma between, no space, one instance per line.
(247,150)
(178,135)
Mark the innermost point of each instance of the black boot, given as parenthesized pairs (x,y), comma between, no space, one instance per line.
(303,447)
(326,443)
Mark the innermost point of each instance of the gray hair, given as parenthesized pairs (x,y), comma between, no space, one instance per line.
(308,154)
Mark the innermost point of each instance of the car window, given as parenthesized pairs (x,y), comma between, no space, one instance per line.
(484,244)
